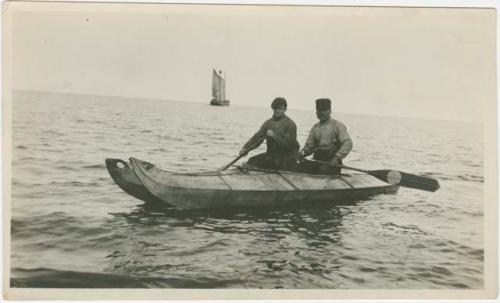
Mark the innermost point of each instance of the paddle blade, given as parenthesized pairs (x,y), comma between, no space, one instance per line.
(419,182)
(406,180)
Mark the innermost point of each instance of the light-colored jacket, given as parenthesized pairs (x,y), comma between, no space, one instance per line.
(329,137)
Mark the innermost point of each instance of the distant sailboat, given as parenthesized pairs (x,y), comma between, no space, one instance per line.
(218,89)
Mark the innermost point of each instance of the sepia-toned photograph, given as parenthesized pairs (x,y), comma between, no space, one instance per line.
(265,148)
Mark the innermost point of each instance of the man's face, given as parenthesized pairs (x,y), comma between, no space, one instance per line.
(279,111)
(323,115)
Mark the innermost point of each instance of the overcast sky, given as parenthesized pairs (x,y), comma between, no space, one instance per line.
(415,62)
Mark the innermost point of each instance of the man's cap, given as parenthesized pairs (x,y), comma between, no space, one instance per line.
(323,104)
(277,102)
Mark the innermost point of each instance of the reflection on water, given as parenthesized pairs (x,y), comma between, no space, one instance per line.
(268,243)
(308,222)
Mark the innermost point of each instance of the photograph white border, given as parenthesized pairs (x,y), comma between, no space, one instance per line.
(490,196)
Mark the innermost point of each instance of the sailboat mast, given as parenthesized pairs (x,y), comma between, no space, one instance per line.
(225,84)
(220,85)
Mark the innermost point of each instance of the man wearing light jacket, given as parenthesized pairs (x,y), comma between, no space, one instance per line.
(328,140)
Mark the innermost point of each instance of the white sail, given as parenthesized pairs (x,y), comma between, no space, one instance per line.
(218,86)
(219,89)
(223,88)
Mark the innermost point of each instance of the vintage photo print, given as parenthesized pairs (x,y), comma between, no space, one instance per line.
(217,151)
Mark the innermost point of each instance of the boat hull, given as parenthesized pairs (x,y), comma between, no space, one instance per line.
(234,188)
(219,102)
(127,180)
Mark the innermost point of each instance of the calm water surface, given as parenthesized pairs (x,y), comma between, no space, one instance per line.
(73,227)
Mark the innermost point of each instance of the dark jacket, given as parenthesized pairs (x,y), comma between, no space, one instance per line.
(282,149)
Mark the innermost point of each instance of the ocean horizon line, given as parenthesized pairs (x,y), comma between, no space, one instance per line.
(117,97)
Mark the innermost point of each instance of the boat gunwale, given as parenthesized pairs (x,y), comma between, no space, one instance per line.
(392,187)
(256,172)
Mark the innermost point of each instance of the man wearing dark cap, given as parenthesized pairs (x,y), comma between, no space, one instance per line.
(280,133)
(328,140)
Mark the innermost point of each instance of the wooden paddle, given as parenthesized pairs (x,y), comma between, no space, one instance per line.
(397,177)
(230,163)
(240,156)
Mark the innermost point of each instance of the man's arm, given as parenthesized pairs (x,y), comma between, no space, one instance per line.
(256,140)
(310,145)
(345,141)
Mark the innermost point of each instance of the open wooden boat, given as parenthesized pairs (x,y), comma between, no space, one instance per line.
(238,187)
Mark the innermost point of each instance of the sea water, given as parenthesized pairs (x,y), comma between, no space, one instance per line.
(72,226)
